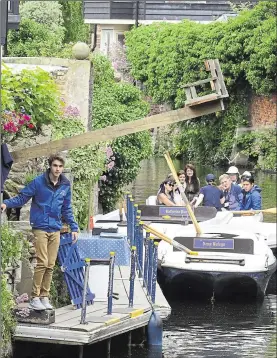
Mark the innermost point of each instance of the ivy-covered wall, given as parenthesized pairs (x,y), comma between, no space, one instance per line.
(165,56)
(114,103)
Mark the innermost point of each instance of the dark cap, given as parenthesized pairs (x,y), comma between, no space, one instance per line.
(210,177)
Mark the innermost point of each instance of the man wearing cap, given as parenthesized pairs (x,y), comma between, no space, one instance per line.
(210,194)
(233,173)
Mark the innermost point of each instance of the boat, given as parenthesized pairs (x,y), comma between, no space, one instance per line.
(234,258)
(231,263)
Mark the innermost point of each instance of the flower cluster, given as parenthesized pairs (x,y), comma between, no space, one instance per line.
(24,311)
(71,111)
(22,298)
(13,121)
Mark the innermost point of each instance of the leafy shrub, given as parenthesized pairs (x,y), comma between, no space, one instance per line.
(32,91)
(35,40)
(48,13)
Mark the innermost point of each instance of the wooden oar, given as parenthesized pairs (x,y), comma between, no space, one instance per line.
(168,240)
(265,211)
(183,195)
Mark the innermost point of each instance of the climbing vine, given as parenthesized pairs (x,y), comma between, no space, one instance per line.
(115,103)
(165,56)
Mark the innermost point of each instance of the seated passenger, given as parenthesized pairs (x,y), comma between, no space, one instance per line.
(251,197)
(233,173)
(210,194)
(165,194)
(232,193)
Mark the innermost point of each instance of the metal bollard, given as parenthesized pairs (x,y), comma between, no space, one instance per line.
(150,264)
(154,275)
(140,251)
(146,259)
(84,303)
(132,276)
(110,285)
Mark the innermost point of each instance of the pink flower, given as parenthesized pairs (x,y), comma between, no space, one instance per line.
(110,165)
(103,177)
(31,126)
(26,117)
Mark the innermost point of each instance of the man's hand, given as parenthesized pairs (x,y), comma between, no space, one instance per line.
(74,237)
(3,207)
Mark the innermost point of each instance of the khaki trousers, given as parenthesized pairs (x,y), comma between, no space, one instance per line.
(47,246)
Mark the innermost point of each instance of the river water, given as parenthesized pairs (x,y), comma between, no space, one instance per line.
(202,329)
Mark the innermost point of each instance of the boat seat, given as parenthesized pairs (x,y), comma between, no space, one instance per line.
(152,200)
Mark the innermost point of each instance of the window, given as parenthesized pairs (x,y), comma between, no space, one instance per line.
(121,39)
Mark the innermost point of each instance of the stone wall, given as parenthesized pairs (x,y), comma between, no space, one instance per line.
(263,110)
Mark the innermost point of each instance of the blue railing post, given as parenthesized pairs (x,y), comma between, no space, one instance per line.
(84,303)
(132,223)
(132,276)
(110,284)
(140,251)
(128,198)
(154,275)
(146,259)
(150,263)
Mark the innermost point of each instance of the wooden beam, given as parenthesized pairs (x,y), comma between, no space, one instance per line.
(112,132)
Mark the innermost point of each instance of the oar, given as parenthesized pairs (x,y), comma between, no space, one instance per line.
(168,240)
(265,211)
(183,195)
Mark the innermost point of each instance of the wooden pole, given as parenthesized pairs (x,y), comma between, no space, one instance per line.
(112,132)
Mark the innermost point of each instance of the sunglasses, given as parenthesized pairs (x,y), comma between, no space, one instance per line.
(170,184)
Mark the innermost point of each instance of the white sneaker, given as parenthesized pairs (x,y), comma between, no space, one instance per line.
(36,305)
(46,303)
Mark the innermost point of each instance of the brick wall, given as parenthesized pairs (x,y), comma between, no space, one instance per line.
(263,110)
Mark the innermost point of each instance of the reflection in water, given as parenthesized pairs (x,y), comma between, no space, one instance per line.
(221,330)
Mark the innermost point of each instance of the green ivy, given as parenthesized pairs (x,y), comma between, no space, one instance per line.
(116,103)
(10,250)
(33,91)
(165,56)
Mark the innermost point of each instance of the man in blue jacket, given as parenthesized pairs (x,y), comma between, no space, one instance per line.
(251,199)
(51,202)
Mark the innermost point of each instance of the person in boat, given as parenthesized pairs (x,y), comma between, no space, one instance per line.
(192,183)
(234,175)
(165,194)
(182,178)
(251,195)
(232,193)
(210,194)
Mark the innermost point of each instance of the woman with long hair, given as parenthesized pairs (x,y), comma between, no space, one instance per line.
(192,183)
(166,194)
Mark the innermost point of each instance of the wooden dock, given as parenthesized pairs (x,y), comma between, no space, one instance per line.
(67,329)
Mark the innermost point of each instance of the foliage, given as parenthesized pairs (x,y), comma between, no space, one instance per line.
(75,28)
(165,56)
(85,175)
(30,176)
(31,92)
(10,250)
(35,40)
(116,103)
(43,12)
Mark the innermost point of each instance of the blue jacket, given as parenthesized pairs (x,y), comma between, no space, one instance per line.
(251,200)
(49,203)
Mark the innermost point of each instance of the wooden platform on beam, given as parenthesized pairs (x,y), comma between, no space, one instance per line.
(68,330)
